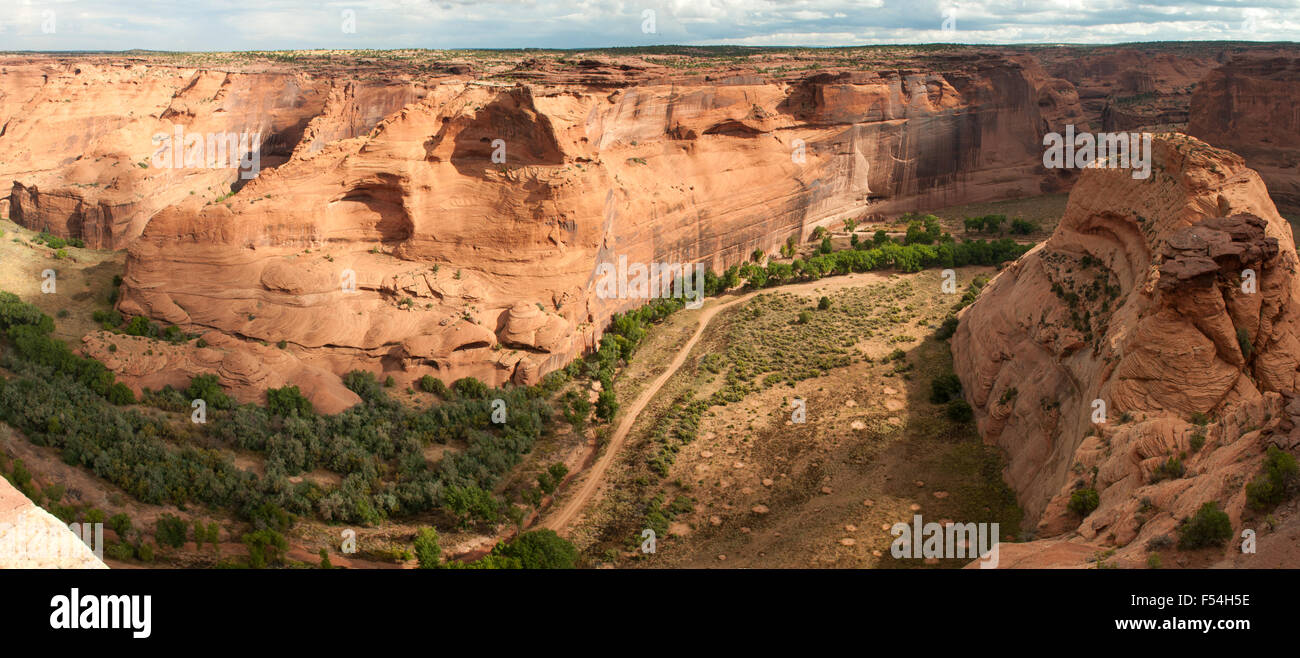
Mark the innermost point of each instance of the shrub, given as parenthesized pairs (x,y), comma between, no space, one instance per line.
(824,303)
(541,549)
(947,329)
(287,401)
(805,317)
(120,524)
(1172,469)
(140,326)
(470,387)
(576,408)
(431,384)
(558,470)
(427,550)
(120,394)
(606,405)
(364,385)
(1084,501)
(472,503)
(1023,227)
(170,530)
(265,547)
(1276,483)
(1197,441)
(1244,342)
(120,551)
(546,483)
(944,388)
(1210,527)
(207,387)
(960,411)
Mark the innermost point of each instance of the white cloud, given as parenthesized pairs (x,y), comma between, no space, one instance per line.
(285,24)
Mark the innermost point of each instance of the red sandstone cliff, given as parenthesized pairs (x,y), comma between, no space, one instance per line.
(76,135)
(1137,300)
(468,266)
(1251,106)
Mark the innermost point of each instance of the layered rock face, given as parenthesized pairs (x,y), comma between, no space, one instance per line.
(78,136)
(1132,88)
(1155,300)
(473,221)
(1251,106)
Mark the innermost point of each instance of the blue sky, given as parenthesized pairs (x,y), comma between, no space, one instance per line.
(296,24)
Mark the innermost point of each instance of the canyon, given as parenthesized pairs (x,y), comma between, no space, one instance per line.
(470,216)
(415,216)
(446,214)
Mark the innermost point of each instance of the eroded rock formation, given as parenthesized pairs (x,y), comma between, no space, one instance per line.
(473,220)
(1161,299)
(78,135)
(1251,106)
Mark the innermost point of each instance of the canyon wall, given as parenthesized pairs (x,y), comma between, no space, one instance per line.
(473,219)
(1089,359)
(77,135)
(1251,106)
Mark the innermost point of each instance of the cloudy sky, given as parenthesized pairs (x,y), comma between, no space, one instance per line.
(292,24)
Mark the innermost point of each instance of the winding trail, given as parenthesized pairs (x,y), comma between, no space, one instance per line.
(575,503)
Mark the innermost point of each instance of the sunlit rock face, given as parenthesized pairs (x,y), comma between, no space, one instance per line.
(455,227)
(1153,301)
(1248,106)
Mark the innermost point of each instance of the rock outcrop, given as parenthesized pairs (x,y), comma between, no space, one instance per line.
(78,136)
(473,220)
(1161,321)
(1250,107)
(32,538)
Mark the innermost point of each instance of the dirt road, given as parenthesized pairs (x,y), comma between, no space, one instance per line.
(575,503)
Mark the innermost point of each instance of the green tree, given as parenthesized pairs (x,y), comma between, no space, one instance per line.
(1084,501)
(541,549)
(287,401)
(960,411)
(470,388)
(1210,527)
(431,384)
(944,388)
(606,405)
(265,547)
(170,530)
(427,550)
(1277,483)
(120,524)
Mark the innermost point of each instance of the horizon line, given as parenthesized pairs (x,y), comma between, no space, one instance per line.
(1046,44)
